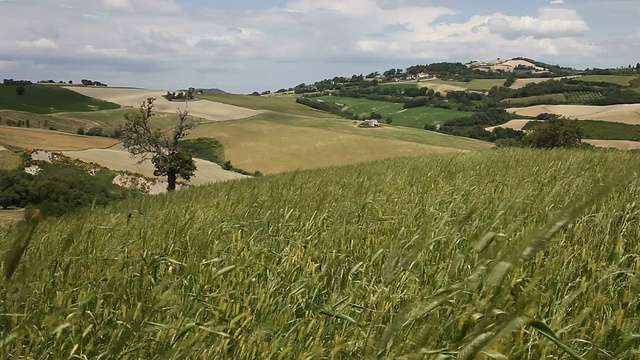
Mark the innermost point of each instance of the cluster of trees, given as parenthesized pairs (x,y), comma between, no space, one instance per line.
(98,131)
(58,189)
(326,106)
(87,82)
(474,126)
(630,70)
(27,123)
(180,95)
(11,82)
(50,81)
(416,97)
(612,93)
(17,123)
(553,132)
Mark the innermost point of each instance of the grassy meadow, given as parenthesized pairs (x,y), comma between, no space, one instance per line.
(51,140)
(489,255)
(623,80)
(9,160)
(257,143)
(42,99)
(414,117)
(526,101)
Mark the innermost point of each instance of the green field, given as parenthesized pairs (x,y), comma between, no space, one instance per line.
(601,130)
(615,79)
(399,259)
(282,104)
(401,85)
(42,99)
(414,117)
(526,101)
(275,143)
(9,160)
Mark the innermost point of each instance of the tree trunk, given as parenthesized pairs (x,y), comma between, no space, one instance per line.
(171,181)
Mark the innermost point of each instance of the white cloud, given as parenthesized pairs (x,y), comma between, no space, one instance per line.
(551,23)
(555,2)
(38,44)
(117,5)
(139,42)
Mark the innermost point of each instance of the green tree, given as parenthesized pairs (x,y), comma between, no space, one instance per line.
(21,90)
(161,148)
(80,131)
(556,132)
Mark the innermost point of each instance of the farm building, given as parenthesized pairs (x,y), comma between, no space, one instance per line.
(369,123)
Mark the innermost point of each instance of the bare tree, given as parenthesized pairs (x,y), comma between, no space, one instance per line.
(162,148)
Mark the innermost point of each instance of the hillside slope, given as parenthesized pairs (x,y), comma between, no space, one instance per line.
(388,258)
(274,143)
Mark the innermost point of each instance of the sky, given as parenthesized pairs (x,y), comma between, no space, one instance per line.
(243,46)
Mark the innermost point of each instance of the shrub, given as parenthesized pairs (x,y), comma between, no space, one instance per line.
(80,131)
(94,131)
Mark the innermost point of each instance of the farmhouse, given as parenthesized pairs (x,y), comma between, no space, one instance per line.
(369,123)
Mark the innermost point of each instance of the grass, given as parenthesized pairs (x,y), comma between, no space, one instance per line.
(257,143)
(41,99)
(10,217)
(413,117)
(9,160)
(50,140)
(108,120)
(623,80)
(407,258)
(280,104)
(526,101)
(602,130)
(205,148)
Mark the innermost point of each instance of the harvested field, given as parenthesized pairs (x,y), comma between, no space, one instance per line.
(516,124)
(623,113)
(204,109)
(116,158)
(618,144)
(8,217)
(50,140)
(520,83)
(443,88)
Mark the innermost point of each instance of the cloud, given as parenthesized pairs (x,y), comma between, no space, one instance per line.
(550,24)
(161,43)
(38,44)
(556,2)
(117,5)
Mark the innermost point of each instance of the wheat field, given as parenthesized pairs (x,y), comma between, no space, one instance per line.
(518,254)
